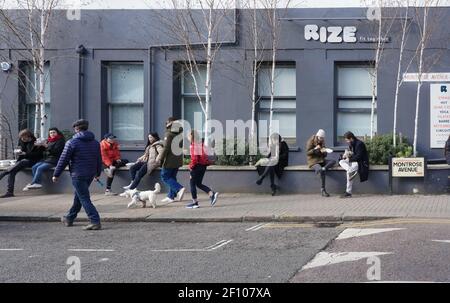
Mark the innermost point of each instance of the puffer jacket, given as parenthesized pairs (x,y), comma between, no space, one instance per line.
(314,156)
(172,156)
(153,154)
(82,154)
(110,152)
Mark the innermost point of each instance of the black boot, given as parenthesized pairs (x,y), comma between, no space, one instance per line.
(259,182)
(7,195)
(324,193)
(274,190)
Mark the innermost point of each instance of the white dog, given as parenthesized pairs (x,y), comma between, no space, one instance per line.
(143,196)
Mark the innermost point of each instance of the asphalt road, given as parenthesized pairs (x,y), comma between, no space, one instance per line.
(224,252)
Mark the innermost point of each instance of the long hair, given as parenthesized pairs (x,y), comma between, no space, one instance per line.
(26,133)
(154,135)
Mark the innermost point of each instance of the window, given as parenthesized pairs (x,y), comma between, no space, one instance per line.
(126,100)
(354,99)
(28,86)
(285,103)
(190,105)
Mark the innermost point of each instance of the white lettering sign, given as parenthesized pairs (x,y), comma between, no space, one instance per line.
(408,167)
(331,34)
(439,114)
(426,77)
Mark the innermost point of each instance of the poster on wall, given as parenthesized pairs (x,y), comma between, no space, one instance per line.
(439,114)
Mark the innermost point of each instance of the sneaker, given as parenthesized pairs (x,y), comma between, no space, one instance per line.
(214,198)
(193,205)
(107,172)
(26,187)
(352,175)
(7,195)
(66,222)
(93,227)
(128,186)
(167,200)
(34,186)
(180,194)
(346,195)
(108,192)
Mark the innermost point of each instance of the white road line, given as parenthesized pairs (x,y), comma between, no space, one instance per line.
(91,250)
(360,232)
(325,258)
(443,241)
(400,282)
(209,248)
(11,249)
(256,227)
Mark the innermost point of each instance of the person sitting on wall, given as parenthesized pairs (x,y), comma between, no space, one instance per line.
(53,148)
(148,162)
(316,154)
(110,150)
(275,162)
(447,150)
(355,161)
(28,155)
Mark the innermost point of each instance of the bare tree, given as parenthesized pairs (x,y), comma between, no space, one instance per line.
(32,34)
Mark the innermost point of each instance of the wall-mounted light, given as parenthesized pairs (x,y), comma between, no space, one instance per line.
(6,66)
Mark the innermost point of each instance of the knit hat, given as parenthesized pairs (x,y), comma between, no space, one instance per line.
(321,133)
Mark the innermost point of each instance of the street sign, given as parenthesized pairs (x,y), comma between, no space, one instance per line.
(408,167)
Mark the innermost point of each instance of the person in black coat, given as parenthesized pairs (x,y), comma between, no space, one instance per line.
(447,150)
(28,155)
(355,161)
(53,147)
(275,162)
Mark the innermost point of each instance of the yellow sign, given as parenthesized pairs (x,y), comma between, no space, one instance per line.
(408,167)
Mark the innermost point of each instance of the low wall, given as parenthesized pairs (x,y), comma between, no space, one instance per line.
(297,179)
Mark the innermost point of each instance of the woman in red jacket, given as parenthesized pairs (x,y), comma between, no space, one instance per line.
(111,159)
(197,167)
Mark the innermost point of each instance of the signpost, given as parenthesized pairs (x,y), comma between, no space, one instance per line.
(406,168)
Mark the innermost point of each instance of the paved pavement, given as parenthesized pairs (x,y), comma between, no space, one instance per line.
(235,208)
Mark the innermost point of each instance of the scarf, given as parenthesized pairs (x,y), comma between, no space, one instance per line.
(50,139)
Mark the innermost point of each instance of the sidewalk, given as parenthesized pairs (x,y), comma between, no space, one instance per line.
(235,208)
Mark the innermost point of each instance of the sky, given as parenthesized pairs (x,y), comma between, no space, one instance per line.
(158,4)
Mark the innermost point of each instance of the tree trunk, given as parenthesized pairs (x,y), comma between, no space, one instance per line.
(42,76)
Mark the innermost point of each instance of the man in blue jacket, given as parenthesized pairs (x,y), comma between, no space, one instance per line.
(82,154)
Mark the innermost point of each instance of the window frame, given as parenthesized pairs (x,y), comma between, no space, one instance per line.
(109,105)
(292,141)
(338,98)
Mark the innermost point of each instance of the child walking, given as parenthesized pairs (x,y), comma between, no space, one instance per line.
(197,166)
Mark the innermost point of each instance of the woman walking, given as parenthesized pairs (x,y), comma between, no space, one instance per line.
(54,147)
(316,154)
(197,166)
(148,162)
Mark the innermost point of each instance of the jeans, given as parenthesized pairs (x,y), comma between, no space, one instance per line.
(137,172)
(197,174)
(322,168)
(38,169)
(82,199)
(109,180)
(21,165)
(349,168)
(269,170)
(169,177)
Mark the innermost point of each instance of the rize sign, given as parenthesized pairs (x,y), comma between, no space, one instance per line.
(331,34)
(408,167)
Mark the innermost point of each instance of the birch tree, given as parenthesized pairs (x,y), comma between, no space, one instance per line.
(32,34)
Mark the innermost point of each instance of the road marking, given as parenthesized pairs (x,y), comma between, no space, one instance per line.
(11,249)
(289,225)
(91,250)
(103,260)
(443,241)
(209,248)
(400,282)
(256,227)
(396,221)
(360,232)
(325,258)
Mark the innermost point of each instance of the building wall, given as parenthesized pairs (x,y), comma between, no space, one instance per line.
(126,36)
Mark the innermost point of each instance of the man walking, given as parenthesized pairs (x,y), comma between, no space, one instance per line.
(82,154)
(355,161)
(172,160)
